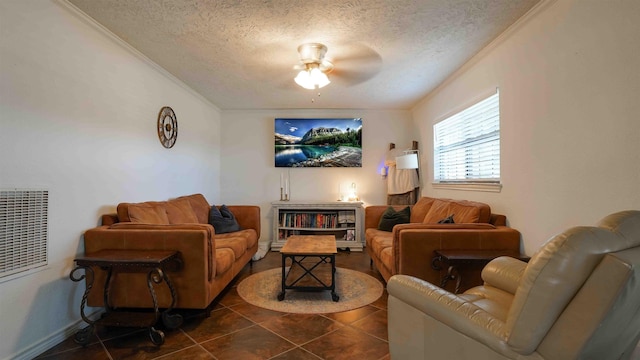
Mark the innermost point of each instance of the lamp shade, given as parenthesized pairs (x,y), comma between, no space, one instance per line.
(407,161)
(312,78)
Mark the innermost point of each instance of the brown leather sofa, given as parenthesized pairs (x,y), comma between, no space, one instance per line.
(577,298)
(409,248)
(210,261)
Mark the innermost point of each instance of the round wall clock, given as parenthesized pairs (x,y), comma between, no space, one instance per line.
(167,127)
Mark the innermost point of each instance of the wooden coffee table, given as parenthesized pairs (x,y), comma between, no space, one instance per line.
(308,254)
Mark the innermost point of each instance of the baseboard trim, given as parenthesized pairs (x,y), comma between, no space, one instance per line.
(52,340)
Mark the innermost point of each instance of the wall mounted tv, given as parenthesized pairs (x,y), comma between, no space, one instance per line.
(318,142)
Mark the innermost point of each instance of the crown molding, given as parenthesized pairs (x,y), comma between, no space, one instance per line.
(116,39)
(510,31)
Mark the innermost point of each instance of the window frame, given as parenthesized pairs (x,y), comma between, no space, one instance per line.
(490,185)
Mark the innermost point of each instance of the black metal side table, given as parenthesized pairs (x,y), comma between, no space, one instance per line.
(453,259)
(154,263)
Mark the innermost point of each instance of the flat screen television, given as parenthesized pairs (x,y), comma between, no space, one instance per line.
(318,142)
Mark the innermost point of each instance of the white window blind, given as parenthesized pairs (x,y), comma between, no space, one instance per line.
(466,145)
(23,230)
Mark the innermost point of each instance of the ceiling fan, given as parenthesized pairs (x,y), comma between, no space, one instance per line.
(346,63)
(313,66)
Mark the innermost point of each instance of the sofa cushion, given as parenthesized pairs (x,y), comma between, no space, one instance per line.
(223,220)
(179,211)
(249,237)
(379,240)
(421,208)
(200,206)
(386,258)
(492,300)
(148,213)
(391,218)
(438,211)
(237,244)
(464,211)
(224,260)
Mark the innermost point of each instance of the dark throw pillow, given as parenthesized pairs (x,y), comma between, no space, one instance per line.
(391,218)
(223,220)
(447,220)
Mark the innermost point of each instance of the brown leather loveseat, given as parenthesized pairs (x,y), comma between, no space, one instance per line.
(210,261)
(409,248)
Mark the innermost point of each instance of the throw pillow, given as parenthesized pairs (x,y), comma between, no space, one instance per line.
(447,220)
(391,218)
(223,220)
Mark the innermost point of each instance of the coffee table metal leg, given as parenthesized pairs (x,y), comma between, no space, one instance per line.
(281,294)
(308,271)
(334,296)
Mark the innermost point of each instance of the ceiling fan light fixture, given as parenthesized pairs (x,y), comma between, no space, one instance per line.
(313,76)
(312,52)
(304,79)
(319,78)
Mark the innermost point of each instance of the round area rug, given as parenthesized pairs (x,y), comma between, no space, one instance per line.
(355,289)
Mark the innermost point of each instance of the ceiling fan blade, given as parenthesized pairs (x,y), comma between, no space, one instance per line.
(354,52)
(351,78)
(354,63)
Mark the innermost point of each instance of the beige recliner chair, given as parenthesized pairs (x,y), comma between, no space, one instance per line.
(577,298)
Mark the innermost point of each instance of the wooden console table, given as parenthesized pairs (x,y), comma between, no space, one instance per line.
(454,259)
(154,263)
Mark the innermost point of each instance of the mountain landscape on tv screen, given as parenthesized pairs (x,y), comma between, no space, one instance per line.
(318,142)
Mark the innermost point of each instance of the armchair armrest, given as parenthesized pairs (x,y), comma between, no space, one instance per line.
(504,273)
(446,307)
(421,313)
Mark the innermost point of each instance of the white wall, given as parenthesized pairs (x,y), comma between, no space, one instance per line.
(78,114)
(250,176)
(570,116)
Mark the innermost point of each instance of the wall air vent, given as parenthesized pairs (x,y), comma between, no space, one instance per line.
(23,230)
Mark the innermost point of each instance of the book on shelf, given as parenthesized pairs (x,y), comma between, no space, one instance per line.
(309,220)
(351,235)
(346,216)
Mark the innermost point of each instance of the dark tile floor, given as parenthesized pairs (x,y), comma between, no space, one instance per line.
(237,330)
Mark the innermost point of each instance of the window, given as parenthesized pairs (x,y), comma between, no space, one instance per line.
(466,146)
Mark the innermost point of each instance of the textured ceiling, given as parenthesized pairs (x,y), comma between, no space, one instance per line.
(239,54)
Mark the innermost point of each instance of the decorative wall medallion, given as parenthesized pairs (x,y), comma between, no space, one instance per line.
(167,127)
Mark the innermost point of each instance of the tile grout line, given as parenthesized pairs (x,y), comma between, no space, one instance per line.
(305,343)
(104,347)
